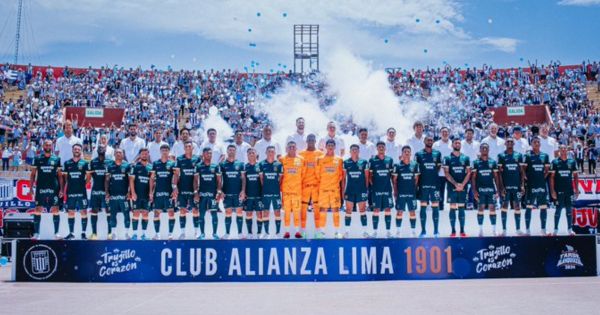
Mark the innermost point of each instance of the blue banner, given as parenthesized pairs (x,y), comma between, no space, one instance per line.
(304,260)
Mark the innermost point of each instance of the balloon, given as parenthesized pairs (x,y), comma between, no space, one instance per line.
(385,40)
(437,21)
(284,14)
(252,44)
(521,59)
(425,50)
(490,21)
(257,13)
(249,30)
(3,261)
(418,20)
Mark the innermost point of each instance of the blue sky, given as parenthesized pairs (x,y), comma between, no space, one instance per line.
(214,34)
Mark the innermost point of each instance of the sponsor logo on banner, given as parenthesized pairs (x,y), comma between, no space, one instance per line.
(40,262)
(494,258)
(569,259)
(117,261)
(515,111)
(94,113)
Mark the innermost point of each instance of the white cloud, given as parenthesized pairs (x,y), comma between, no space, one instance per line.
(504,44)
(579,2)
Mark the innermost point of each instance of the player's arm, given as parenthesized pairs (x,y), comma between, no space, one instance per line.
(63,188)
(132,187)
(196,186)
(219,186)
(448,176)
(497,178)
(576,182)
(106,185)
(552,182)
(466,179)
(243,192)
(32,178)
(174,182)
(343,183)
(152,185)
(546,168)
(394,181)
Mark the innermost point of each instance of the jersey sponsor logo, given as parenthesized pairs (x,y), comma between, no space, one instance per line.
(40,262)
(117,261)
(569,259)
(494,258)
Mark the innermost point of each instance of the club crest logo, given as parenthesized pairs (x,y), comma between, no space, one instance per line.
(40,262)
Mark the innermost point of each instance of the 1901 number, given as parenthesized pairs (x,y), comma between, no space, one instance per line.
(431,259)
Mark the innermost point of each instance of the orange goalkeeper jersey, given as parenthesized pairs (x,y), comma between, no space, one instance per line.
(293,171)
(310,163)
(329,172)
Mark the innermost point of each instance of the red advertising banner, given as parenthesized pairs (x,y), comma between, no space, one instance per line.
(96,116)
(522,115)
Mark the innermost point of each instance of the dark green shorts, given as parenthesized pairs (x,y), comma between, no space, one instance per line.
(162,203)
(537,197)
(271,200)
(47,200)
(141,204)
(429,194)
(232,201)
(459,197)
(406,202)
(98,200)
(207,203)
(76,202)
(118,205)
(512,196)
(381,200)
(564,200)
(486,198)
(186,201)
(356,197)
(253,204)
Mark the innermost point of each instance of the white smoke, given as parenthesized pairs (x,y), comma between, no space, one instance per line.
(214,120)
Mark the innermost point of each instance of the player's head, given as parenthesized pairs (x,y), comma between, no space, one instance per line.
(456,145)
(300,123)
(484,150)
(354,151)
(363,134)
(251,152)
(188,148)
(270,153)
(493,129)
(445,132)
(206,155)
(428,141)
(165,151)
(563,151)
(101,150)
(311,141)
(143,154)
(119,154)
(510,143)
(68,128)
(132,128)
(331,128)
(291,148)
(406,152)
(239,136)
(267,132)
(418,128)
(381,148)
(330,146)
(391,133)
(469,134)
(47,146)
(231,150)
(185,134)
(212,134)
(76,150)
(536,144)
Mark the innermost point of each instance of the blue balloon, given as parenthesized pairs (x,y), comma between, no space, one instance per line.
(284,66)
(258,64)
(425,50)
(386,40)
(3,261)
(418,20)
(271,70)
(279,64)
(437,21)
(252,44)
(284,14)
(249,30)
(521,59)
(257,13)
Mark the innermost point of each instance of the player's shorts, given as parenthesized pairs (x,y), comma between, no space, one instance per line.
(232,201)
(310,193)
(457,197)
(487,198)
(271,200)
(330,199)
(76,202)
(429,194)
(356,197)
(406,202)
(98,200)
(564,200)
(162,203)
(118,204)
(253,204)
(537,197)
(186,201)
(513,195)
(292,202)
(207,202)
(47,199)
(381,200)
(141,204)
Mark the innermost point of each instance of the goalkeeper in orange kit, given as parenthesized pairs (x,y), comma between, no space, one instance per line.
(291,188)
(310,184)
(330,173)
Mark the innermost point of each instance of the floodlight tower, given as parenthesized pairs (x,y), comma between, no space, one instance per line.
(306,48)
(18,33)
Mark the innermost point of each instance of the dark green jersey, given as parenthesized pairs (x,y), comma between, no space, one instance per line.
(75,172)
(510,169)
(187,170)
(485,175)
(253,187)
(208,177)
(271,173)
(406,177)
(141,179)
(163,177)
(457,166)
(118,185)
(98,170)
(47,168)
(232,176)
(563,175)
(355,176)
(535,170)
(429,165)
(381,173)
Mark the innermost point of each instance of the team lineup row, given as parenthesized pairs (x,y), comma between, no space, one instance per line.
(297,180)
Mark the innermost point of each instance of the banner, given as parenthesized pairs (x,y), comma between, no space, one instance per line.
(515,111)
(14,193)
(304,260)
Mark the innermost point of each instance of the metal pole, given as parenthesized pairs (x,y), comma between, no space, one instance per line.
(18,34)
